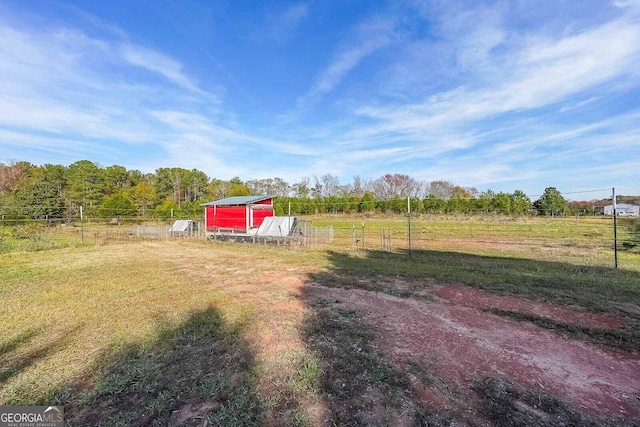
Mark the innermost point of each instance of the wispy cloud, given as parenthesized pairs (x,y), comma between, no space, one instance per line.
(369,37)
(512,113)
(98,23)
(628,4)
(281,25)
(67,92)
(539,74)
(70,149)
(61,82)
(158,63)
(574,105)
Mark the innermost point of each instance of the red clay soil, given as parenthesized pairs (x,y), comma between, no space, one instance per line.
(458,342)
(476,298)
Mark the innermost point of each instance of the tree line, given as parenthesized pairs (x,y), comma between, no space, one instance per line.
(58,192)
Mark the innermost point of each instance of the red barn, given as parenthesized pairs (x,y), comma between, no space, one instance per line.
(238,214)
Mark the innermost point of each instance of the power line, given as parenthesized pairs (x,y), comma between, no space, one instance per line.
(574,192)
(587,191)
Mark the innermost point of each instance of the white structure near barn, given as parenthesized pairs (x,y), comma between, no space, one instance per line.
(623,209)
(183,227)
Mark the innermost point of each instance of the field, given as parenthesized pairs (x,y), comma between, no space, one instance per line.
(483,321)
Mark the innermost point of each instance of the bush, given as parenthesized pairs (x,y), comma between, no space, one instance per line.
(118,205)
(34,231)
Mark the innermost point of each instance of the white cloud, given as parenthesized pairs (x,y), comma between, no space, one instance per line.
(222,138)
(66,94)
(633,5)
(282,26)
(158,63)
(473,32)
(343,63)
(370,37)
(571,105)
(96,22)
(294,14)
(78,93)
(58,146)
(542,74)
(476,173)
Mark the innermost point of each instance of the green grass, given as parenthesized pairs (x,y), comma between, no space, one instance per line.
(587,241)
(597,288)
(86,298)
(103,321)
(11,244)
(198,368)
(143,332)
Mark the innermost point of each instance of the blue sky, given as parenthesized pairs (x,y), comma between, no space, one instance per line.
(506,95)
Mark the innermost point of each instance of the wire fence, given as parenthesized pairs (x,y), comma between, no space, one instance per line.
(302,234)
(579,240)
(99,231)
(583,238)
(577,236)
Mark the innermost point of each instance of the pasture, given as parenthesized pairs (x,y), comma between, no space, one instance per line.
(485,320)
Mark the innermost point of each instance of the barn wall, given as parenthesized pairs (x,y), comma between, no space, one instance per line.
(260,215)
(209,217)
(233,217)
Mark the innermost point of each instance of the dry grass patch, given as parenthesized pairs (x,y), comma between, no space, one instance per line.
(96,299)
(76,312)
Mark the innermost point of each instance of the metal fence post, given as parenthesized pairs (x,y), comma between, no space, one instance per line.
(409,223)
(615,229)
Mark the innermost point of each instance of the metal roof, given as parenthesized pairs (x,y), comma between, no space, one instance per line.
(237,200)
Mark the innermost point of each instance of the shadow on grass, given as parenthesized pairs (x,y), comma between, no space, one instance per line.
(507,405)
(598,289)
(358,384)
(12,364)
(14,343)
(594,288)
(194,373)
(626,339)
(630,242)
(362,385)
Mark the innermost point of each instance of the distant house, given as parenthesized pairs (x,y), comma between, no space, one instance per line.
(623,209)
(240,214)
